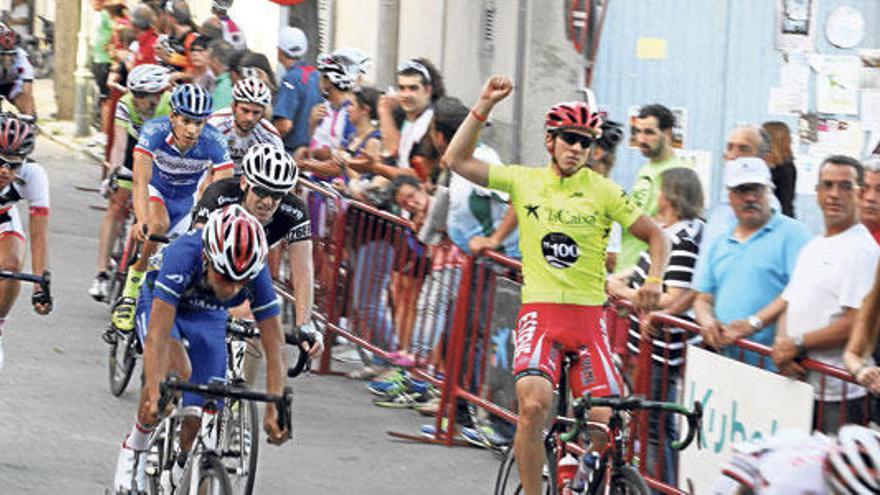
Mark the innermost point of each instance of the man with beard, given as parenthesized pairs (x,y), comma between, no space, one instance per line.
(653,133)
(243,123)
(747,268)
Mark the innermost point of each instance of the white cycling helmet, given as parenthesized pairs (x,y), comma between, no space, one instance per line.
(339,69)
(853,465)
(221,5)
(270,167)
(148,78)
(234,243)
(252,90)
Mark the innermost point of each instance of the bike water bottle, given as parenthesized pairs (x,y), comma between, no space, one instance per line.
(565,472)
(585,469)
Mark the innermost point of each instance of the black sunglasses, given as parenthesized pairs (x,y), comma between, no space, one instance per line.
(572,138)
(262,192)
(4,163)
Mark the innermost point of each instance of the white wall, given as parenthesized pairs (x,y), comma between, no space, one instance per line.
(356,22)
(421,30)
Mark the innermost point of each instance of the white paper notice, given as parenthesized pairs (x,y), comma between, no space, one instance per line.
(786,100)
(701,162)
(837,85)
(870,104)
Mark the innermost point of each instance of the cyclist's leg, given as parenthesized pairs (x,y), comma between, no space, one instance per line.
(117,212)
(536,364)
(206,335)
(594,371)
(12,252)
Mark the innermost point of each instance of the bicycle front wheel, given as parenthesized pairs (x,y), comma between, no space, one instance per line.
(507,481)
(123,356)
(241,444)
(628,481)
(212,477)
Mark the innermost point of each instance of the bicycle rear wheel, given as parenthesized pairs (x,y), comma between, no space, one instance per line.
(507,481)
(628,481)
(123,356)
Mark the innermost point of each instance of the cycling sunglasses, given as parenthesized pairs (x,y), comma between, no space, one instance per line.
(262,192)
(4,163)
(572,138)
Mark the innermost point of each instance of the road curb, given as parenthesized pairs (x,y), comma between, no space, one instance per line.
(52,133)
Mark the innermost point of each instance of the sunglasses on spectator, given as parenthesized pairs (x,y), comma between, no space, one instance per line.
(415,66)
(10,165)
(572,138)
(262,192)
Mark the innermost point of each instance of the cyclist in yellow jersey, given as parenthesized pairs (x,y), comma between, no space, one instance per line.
(564,213)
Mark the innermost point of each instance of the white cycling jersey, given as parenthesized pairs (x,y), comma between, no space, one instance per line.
(264,133)
(789,462)
(32,186)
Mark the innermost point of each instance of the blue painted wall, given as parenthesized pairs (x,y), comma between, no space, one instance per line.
(720,65)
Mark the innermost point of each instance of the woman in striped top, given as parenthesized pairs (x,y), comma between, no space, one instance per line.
(680,206)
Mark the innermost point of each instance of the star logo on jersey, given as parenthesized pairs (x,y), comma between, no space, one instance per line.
(176,278)
(532,210)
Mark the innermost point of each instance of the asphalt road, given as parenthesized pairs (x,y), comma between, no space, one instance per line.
(60,429)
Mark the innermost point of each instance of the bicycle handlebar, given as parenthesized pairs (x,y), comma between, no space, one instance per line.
(44,281)
(584,404)
(246,329)
(220,389)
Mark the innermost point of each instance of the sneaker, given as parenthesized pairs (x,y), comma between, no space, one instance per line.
(474,437)
(493,436)
(99,288)
(129,470)
(365,373)
(123,314)
(395,383)
(416,393)
(429,430)
(430,408)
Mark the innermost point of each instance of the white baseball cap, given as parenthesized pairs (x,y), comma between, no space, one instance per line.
(292,41)
(747,170)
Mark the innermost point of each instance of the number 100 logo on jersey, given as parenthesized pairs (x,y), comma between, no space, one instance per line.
(560,250)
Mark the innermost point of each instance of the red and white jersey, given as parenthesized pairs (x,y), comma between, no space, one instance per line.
(264,133)
(32,186)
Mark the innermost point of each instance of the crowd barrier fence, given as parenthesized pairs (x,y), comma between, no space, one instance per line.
(377,286)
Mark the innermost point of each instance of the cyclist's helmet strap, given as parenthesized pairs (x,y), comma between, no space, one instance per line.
(17,138)
(269,167)
(192,101)
(573,115)
(234,243)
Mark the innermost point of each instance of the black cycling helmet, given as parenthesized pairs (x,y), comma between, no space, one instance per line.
(612,135)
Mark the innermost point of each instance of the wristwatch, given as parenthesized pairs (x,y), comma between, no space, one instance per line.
(755,322)
(799,345)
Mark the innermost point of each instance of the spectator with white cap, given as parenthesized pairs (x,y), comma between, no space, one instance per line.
(299,90)
(747,268)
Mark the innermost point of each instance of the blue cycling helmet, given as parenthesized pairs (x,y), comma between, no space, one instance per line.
(191,101)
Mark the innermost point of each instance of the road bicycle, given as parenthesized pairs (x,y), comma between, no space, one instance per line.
(204,470)
(125,347)
(612,472)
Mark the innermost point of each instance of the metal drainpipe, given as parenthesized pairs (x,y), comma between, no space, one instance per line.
(519,81)
(386,48)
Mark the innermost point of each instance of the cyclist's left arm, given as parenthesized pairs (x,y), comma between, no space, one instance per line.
(267,310)
(37,193)
(301,274)
(658,248)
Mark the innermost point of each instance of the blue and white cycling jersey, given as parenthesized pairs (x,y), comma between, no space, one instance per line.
(177,175)
(201,316)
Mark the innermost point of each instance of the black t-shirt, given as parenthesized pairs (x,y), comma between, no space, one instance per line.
(784,181)
(290,221)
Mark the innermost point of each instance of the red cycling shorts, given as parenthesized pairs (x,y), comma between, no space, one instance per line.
(546,332)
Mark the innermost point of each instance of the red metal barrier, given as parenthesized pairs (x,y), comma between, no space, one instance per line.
(647,375)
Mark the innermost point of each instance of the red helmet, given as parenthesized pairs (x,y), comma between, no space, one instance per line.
(234,243)
(17,137)
(573,115)
(8,39)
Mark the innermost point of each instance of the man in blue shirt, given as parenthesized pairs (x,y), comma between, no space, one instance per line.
(299,90)
(203,273)
(746,269)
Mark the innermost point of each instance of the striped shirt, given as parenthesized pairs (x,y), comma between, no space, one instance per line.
(685,237)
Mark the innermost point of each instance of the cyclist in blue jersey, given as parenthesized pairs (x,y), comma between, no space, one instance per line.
(173,156)
(203,273)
